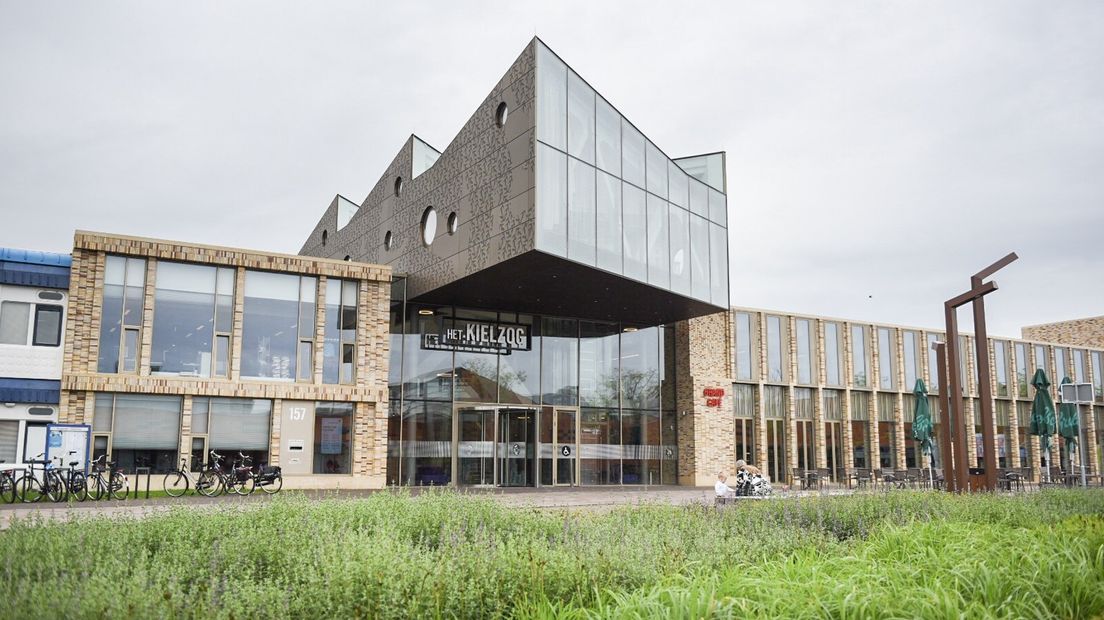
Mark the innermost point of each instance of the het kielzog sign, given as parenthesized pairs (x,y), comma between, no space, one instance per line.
(479,337)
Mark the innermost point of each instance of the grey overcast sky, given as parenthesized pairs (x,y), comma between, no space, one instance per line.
(878,152)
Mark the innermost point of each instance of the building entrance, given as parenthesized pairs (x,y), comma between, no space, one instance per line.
(513,446)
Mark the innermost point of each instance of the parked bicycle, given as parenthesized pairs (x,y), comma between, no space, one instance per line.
(209,483)
(112,485)
(51,486)
(75,480)
(7,484)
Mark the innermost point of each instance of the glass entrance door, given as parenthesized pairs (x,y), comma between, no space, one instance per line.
(566,447)
(475,453)
(834,449)
(516,447)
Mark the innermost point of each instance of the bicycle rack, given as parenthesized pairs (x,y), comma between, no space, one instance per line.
(138,471)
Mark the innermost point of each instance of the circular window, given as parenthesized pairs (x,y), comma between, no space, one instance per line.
(429,225)
(398,186)
(500,114)
(388,240)
(348,258)
(325,234)
(453,223)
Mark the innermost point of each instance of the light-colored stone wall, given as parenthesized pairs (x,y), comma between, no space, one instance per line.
(81,380)
(1077,332)
(706,434)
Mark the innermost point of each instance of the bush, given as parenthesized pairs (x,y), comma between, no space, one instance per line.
(447,554)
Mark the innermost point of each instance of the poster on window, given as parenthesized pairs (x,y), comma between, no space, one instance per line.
(331,435)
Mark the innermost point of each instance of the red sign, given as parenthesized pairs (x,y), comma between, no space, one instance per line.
(713,396)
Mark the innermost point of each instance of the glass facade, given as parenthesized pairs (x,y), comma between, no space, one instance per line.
(745,369)
(776,368)
(833,354)
(121,314)
(278,317)
(608,197)
(887,362)
(192,320)
(339,345)
(805,351)
(860,360)
(589,402)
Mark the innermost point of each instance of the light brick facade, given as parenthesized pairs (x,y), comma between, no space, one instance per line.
(368,392)
(1076,332)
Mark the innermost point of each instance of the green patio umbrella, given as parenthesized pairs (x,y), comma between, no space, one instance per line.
(922,423)
(1042,412)
(1068,422)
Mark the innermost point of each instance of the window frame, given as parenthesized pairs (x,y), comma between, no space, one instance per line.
(39,308)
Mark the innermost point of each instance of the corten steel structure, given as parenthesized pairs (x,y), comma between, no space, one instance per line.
(549,215)
(975,297)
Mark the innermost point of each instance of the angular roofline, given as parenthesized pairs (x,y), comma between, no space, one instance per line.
(623,116)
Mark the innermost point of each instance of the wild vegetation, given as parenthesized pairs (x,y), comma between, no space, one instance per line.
(448,555)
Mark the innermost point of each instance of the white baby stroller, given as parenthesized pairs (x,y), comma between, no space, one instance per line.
(748,485)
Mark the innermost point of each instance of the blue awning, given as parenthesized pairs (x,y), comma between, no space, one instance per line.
(32,391)
(34,268)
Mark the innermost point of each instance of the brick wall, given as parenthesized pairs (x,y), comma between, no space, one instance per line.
(1077,332)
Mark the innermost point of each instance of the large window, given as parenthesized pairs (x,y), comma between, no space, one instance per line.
(1041,362)
(15,322)
(278,326)
(339,348)
(1079,366)
(911,353)
(887,431)
(806,435)
(887,363)
(640,367)
(933,363)
(1061,367)
(745,369)
(193,309)
(833,354)
(1097,378)
(1021,370)
(805,349)
(1000,366)
(860,361)
(233,425)
(47,326)
(144,430)
(599,353)
(121,314)
(860,429)
(775,356)
(743,403)
(560,361)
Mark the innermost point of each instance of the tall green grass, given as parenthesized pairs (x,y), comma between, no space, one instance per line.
(450,555)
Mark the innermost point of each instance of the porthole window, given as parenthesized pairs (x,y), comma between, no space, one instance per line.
(348,258)
(398,186)
(388,240)
(325,234)
(453,223)
(500,114)
(429,225)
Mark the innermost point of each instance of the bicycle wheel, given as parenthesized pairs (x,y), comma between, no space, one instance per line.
(245,487)
(93,488)
(176,484)
(209,484)
(55,488)
(119,486)
(7,488)
(78,486)
(29,489)
(274,486)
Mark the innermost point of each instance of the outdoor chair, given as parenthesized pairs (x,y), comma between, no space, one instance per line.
(799,477)
(938,480)
(901,476)
(862,477)
(812,479)
(824,477)
(1011,480)
(917,477)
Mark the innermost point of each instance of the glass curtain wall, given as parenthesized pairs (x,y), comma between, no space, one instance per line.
(774,405)
(192,320)
(278,326)
(860,429)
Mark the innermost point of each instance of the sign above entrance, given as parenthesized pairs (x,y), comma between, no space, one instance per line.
(713,396)
(479,336)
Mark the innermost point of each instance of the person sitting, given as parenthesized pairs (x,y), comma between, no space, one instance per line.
(721,487)
(751,470)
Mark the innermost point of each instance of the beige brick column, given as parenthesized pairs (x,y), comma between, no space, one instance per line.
(1092,450)
(239,314)
(817,348)
(274,437)
(899,403)
(320,329)
(760,360)
(706,438)
(145,339)
(185,450)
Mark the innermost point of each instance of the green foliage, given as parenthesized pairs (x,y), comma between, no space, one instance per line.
(444,554)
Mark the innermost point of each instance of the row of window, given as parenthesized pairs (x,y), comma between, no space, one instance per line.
(193,322)
(1021,358)
(23,323)
(141,430)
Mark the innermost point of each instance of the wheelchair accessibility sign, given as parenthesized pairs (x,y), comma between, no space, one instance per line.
(565,450)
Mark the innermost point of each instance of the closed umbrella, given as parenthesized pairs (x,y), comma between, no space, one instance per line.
(922,423)
(1042,413)
(1068,424)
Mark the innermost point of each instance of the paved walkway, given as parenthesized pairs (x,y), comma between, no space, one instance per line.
(549,498)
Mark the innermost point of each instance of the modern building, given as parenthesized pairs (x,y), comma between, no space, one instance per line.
(34,289)
(543,302)
(546,256)
(174,350)
(814,392)
(1077,332)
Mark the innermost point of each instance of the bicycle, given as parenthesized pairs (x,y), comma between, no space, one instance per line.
(115,485)
(7,485)
(269,479)
(240,480)
(76,483)
(177,483)
(52,486)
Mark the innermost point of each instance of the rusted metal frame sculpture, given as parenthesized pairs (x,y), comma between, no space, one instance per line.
(945,427)
(960,463)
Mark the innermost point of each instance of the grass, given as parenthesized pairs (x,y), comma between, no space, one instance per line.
(446,555)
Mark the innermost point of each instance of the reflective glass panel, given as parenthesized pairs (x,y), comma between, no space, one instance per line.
(635,224)
(269,325)
(774,349)
(679,184)
(640,368)
(718,265)
(608,129)
(680,251)
(551,200)
(804,351)
(183,320)
(743,346)
(581,218)
(656,170)
(609,223)
(551,99)
(560,361)
(598,364)
(886,362)
(832,354)
(632,154)
(580,118)
(659,272)
(699,257)
(860,367)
